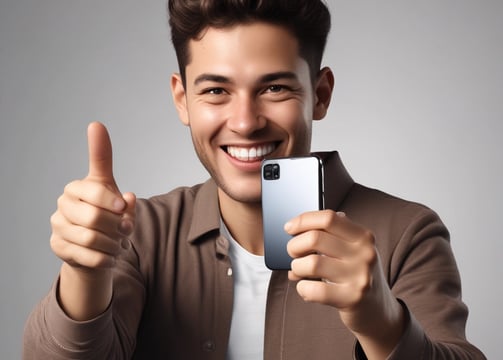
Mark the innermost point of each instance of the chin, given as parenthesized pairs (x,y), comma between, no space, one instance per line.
(243,194)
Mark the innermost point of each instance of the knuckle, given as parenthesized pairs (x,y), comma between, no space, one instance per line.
(58,246)
(365,238)
(71,186)
(88,238)
(55,220)
(313,263)
(331,214)
(359,292)
(61,200)
(313,239)
(97,193)
(369,255)
(93,217)
(54,243)
(328,218)
(372,258)
(366,283)
(68,187)
(363,286)
(368,237)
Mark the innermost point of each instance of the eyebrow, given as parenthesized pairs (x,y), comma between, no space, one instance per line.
(288,75)
(264,79)
(213,78)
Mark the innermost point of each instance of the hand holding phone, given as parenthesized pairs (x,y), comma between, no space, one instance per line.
(290,186)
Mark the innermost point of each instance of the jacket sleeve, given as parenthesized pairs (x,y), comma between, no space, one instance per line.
(51,334)
(423,275)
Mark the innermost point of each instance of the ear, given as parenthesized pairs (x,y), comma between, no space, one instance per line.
(179,98)
(323,90)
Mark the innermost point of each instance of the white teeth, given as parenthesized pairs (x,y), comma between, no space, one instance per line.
(260,152)
(250,154)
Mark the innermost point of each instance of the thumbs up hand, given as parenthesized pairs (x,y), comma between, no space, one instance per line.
(93,218)
(89,230)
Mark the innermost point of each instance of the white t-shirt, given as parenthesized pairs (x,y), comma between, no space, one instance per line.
(251,281)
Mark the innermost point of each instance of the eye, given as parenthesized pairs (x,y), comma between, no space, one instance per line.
(214,95)
(275,88)
(214,91)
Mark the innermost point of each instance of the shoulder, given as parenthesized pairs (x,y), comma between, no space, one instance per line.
(397,223)
(376,205)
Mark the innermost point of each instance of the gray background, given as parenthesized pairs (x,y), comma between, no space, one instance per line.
(417,112)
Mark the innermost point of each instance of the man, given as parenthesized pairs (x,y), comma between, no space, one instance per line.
(181,275)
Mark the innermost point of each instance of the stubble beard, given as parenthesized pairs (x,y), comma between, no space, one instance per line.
(223,184)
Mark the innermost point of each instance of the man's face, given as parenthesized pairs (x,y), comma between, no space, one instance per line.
(248,96)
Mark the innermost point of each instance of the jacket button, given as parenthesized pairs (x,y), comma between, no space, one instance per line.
(209,346)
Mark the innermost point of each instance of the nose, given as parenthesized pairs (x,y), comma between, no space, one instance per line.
(245,117)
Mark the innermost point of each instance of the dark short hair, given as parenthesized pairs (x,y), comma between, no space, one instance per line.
(307,20)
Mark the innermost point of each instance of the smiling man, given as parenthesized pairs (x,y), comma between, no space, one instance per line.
(182,275)
(245,100)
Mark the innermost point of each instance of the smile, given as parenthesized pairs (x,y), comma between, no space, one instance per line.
(252,153)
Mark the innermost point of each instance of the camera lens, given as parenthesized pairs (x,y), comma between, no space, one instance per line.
(268,172)
(275,171)
(271,172)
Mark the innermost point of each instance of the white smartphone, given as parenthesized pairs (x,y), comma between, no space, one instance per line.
(290,186)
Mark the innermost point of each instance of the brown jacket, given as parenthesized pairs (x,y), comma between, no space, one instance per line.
(173,290)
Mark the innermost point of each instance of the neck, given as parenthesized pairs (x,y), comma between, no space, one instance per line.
(244,222)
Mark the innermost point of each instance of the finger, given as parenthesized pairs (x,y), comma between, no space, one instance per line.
(95,193)
(340,296)
(310,220)
(84,237)
(89,216)
(320,242)
(335,223)
(77,255)
(316,266)
(100,154)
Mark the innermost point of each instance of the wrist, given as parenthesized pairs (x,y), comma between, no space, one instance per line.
(383,332)
(84,293)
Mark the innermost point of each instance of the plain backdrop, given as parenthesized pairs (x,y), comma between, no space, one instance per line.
(417,112)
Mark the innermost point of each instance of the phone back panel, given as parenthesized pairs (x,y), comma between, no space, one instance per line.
(290,186)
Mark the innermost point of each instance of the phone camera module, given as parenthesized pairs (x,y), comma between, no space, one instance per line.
(271,172)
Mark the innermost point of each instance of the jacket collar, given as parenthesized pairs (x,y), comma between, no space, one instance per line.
(206,215)
(337,181)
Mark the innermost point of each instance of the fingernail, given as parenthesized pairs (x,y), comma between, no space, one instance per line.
(288,226)
(125,227)
(119,204)
(341,214)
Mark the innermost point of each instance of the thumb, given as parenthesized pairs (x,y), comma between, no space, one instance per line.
(100,154)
